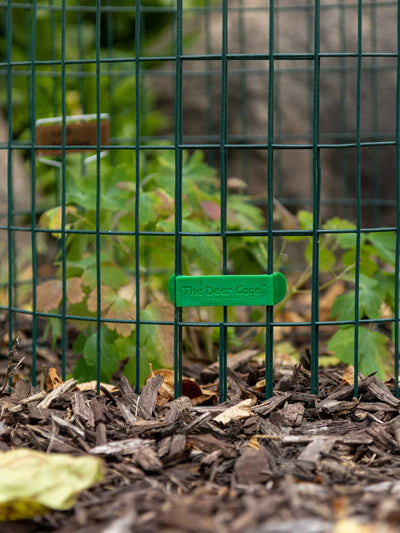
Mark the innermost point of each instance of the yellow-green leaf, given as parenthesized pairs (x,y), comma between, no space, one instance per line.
(32,482)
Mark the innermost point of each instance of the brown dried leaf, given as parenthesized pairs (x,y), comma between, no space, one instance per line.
(207,398)
(108,296)
(348,376)
(122,309)
(75,293)
(326,301)
(53,381)
(191,389)
(48,295)
(166,390)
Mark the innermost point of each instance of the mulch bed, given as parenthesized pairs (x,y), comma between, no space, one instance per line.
(292,463)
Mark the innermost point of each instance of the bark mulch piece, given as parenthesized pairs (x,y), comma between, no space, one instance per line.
(294,462)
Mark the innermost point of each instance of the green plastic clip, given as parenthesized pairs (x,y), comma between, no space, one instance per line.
(195,291)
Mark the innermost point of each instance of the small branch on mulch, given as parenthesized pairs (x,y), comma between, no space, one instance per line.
(12,367)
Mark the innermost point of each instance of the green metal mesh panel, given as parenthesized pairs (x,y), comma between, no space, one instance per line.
(299,100)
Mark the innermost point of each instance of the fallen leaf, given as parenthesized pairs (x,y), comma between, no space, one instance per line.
(53,381)
(348,376)
(207,398)
(190,388)
(32,482)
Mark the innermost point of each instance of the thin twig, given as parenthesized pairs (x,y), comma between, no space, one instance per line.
(10,368)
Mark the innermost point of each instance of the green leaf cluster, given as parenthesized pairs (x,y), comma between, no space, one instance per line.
(375,290)
(118,204)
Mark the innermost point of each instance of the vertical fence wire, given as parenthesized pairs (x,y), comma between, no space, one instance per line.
(375,108)
(33,192)
(343,111)
(63,192)
(178,198)
(137,192)
(316,207)
(58,188)
(224,200)
(98,198)
(358,199)
(10,191)
(269,332)
(397,261)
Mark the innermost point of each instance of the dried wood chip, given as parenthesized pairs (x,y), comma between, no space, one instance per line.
(177,446)
(362,438)
(376,407)
(125,387)
(57,393)
(148,397)
(252,425)
(253,467)
(393,427)
(347,391)
(101,434)
(67,425)
(21,390)
(31,399)
(126,413)
(39,414)
(381,436)
(50,441)
(122,447)
(336,406)
(98,410)
(312,452)
(208,443)
(304,525)
(292,414)
(265,408)
(382,392)
(148,460)
(81,410)
(212,371)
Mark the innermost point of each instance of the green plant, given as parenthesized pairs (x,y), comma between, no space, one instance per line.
(376,289)
(156,214)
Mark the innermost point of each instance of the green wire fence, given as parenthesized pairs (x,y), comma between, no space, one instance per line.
(146,139)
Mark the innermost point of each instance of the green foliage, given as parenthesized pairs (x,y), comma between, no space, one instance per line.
(117,39)
(376,288)
(118,222)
